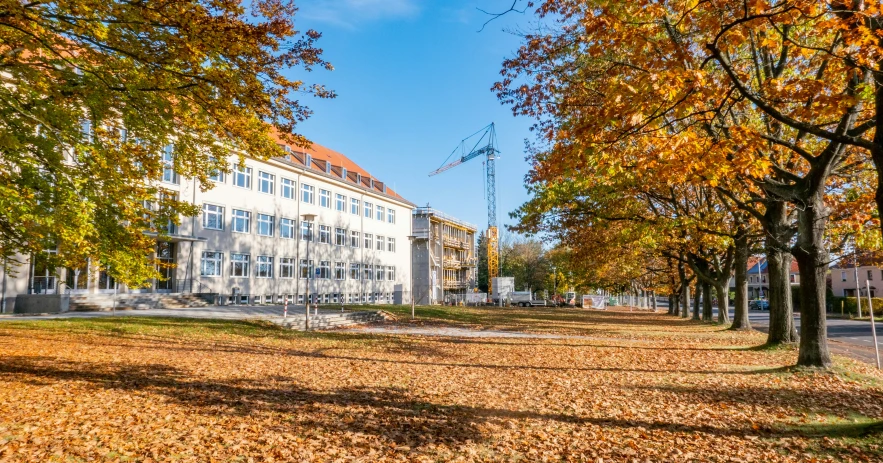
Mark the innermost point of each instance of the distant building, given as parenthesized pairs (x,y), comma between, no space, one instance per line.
(758,277)
(443,256)
(843,273)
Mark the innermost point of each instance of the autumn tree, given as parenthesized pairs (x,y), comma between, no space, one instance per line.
(769,97)
(93,91)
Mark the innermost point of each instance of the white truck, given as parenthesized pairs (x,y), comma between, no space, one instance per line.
(502,289)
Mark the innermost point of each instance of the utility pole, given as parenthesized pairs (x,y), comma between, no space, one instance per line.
(858,286)
(309,219)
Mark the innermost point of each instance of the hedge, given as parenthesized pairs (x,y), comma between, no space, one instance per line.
(849,305)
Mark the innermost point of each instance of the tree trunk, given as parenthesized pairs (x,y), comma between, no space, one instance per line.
(812,256)
(707,312)
(740,317)
(696,298)
(723,303)
(653,300)
(781,328)
(685,302)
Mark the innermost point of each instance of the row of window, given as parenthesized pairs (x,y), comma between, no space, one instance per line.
(213,219)
(844,275)
(212,265)
(242,177)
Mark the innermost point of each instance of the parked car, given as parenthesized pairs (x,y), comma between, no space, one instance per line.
(759,304)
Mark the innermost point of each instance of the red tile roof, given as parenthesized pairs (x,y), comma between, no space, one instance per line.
(321,156)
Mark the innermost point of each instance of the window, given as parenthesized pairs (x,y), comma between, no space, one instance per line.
(288,186)
(793,279)
(212,217)
(242,177)
(211,264)
(216,175)
(870,275)
(286,228)
(368,272)
(307,193)
(286,267)
(239,265)
(391,273)
(241,221)
(305,269)
(340,236)
(354,206)
(381,274)
(354,239)
(266,182)
(324,198)
(324,272)
(354,271)
(168,165)
(265,224)
(391,215)
(264,266)
(380,242)
(842,276)
(391,244)
(340,203)
(340,270)
(368,209)
(324,234)
(369,240)
(380,212)
(306,231)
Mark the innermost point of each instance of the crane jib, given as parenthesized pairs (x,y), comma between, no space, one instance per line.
(488,139)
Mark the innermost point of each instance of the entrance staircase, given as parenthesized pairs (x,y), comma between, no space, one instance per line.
(108,302)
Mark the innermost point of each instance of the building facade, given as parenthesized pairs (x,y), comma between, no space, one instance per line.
(843,282)
(443,255)
(311,224)
(758,277)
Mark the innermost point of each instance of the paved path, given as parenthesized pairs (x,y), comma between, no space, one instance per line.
(232,312)
(461,332)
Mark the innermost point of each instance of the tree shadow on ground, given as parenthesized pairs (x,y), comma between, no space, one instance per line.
(393,414)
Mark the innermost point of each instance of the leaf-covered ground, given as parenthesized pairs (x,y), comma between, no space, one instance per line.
(641,387)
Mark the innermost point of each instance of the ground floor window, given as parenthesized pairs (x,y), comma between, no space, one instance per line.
(286,267)
(239,265)
(211,263)
(264,267)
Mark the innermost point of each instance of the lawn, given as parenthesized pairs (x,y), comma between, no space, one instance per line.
(630,387)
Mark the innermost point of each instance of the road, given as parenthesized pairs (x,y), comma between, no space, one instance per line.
(849,336)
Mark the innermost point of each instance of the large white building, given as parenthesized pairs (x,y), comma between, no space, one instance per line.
(262,231)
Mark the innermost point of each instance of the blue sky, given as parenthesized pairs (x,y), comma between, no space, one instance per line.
(413,78)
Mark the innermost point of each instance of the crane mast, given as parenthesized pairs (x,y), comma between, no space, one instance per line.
(485,146)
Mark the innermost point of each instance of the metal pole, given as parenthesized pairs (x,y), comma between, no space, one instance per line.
(411,274)
(858,285)
(309,275)
(873,327)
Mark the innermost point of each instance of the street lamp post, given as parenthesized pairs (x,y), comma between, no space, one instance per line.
(309,218)
(412,239)
(554,284)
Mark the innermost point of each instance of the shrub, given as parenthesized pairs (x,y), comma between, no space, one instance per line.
(849,305)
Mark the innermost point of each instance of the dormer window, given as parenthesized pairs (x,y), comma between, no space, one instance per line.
(371,183)
(359,178)
(309,160)
(327,167)
(343,173)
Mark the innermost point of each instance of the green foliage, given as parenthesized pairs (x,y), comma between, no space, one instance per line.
(850,306)
(93,91)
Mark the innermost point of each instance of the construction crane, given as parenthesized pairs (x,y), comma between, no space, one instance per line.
(484,145)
